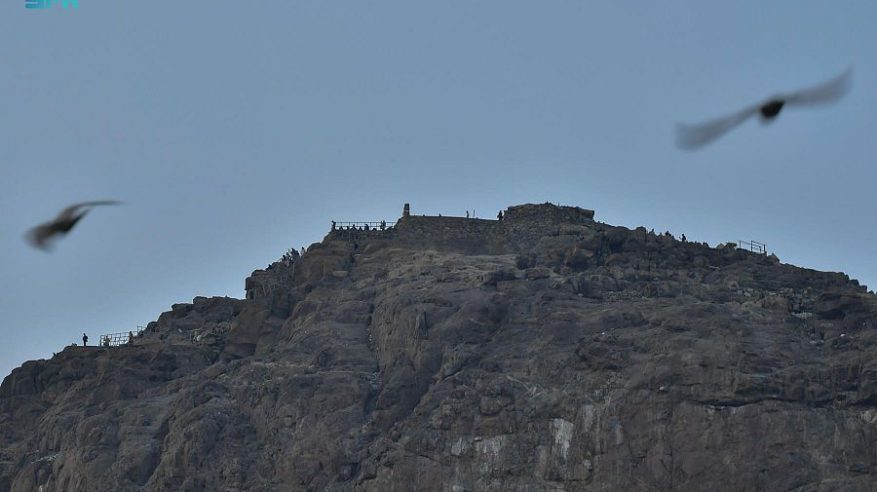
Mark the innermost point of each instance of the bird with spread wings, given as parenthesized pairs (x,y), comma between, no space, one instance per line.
(44,234)
(694,136)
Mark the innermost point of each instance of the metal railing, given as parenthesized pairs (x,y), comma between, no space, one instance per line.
(351,231)
(382,225)
(118,339)
(753,246)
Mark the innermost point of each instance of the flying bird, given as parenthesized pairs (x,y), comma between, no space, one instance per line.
(42,235)
(694,136)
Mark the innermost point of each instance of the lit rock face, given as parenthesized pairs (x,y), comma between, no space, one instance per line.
(544,352)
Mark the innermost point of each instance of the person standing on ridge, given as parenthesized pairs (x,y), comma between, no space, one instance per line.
(84,340)
(499,215)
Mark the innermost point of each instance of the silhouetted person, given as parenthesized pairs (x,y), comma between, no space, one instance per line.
(42,235)
(383,224)
(683,238)
(106,341)
(499,215)
(84,340)
(333,225)
(467,214)
(694,136)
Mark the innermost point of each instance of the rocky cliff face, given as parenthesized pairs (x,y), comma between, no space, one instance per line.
(544,352)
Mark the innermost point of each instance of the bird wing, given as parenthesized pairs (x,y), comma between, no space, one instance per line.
(70,211)
(825,92)
(690,137)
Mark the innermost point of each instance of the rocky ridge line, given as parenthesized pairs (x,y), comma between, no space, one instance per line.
(547,351)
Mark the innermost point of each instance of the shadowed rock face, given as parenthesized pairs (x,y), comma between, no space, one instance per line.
(543,352)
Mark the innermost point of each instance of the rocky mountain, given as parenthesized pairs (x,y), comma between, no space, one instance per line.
(543,352)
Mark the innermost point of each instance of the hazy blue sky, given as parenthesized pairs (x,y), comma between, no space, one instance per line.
(234,130)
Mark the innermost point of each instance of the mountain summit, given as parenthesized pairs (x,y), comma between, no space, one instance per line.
(545,351)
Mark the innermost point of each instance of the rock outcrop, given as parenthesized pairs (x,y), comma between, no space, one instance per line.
(546,351)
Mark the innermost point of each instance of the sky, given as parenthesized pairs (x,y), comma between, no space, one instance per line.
(233,131)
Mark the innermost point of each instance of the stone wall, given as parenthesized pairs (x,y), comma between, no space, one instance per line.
(446,233)
(443,228)
(548,213)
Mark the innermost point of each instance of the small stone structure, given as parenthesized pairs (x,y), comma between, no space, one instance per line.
(548,213)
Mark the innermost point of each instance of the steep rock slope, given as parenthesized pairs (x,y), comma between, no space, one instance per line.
(543,352)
